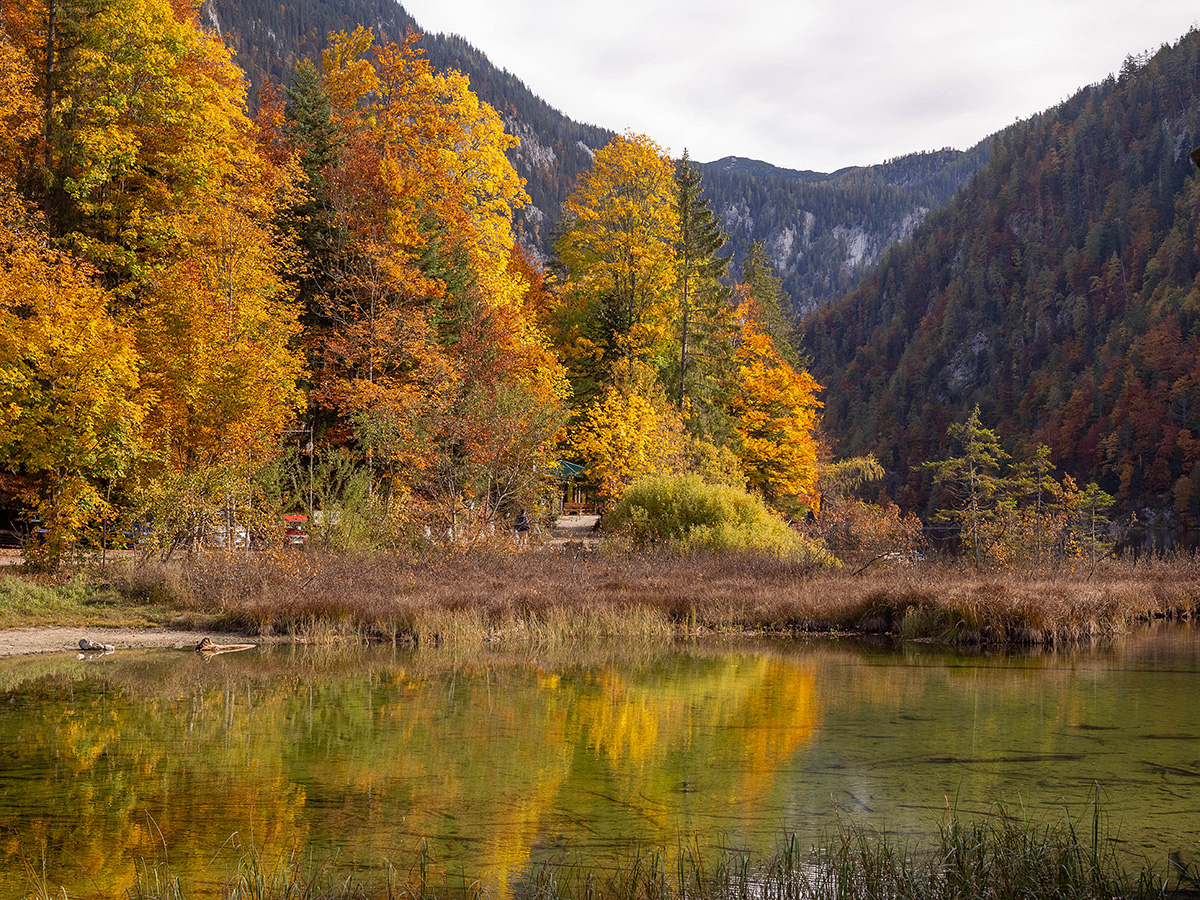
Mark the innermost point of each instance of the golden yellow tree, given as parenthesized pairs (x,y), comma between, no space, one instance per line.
(216,333)
(69,421)
(144,120)
(619,228)
(18,106)
(629,431)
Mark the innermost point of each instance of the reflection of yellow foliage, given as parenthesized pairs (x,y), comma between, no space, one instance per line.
(620,723)
(508,849)
(484,754)
(743,719)
(132,777)
(777,722)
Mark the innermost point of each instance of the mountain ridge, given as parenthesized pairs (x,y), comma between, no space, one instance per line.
(822,230)
(825,231)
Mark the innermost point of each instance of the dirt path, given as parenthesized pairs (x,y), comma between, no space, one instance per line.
(45,639)
(568,529)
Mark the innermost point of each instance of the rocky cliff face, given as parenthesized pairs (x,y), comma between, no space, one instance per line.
(824,232)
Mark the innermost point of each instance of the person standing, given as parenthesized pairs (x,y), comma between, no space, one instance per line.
(521,528)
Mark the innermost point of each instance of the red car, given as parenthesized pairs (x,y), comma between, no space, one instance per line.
(295,534)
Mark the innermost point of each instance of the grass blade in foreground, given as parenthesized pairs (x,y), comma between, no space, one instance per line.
(999,858)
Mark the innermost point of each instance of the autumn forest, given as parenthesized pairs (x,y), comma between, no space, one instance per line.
(335,295)
(210,317)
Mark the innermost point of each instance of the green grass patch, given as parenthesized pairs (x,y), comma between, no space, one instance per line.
(83,600)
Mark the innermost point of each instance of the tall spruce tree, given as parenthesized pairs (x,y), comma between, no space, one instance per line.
(309,126)
(697,246)
(52,33)
(758,274)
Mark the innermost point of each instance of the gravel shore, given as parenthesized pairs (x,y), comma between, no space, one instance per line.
(24,641)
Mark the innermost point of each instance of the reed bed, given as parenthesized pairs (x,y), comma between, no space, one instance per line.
(1003,857)
(544,599)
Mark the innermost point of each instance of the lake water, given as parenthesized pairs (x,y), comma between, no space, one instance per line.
(499,760)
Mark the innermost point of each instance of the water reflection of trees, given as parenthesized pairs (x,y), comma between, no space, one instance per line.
(367,755)
(97,781)
(503,758)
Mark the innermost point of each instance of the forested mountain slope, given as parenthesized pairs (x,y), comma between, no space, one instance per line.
(1058,291)
(822,230)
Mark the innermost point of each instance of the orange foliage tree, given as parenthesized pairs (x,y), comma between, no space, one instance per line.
(774,409)
(429,358)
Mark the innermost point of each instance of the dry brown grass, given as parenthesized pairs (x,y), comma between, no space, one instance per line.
(545,598)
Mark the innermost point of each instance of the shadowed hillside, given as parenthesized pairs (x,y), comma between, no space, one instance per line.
(1058,290)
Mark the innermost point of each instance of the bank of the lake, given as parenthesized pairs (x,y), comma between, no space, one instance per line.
(542,597)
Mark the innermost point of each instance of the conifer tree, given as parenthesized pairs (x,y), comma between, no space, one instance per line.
(309,128)
(975,482)
(758,274)
(700,268)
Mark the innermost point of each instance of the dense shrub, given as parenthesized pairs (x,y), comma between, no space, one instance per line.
(688,514)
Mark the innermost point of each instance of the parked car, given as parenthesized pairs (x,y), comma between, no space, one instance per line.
(295,534)
(232,537)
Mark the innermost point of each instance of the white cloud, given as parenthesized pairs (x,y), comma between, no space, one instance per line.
(809,84)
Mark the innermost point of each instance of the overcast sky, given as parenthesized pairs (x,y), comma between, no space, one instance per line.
(808,84)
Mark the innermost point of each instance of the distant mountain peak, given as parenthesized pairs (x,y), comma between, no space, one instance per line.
(756,168)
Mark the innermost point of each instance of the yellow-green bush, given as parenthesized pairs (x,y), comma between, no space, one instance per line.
(688,514)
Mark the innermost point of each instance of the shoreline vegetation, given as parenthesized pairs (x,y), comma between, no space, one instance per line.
(999,857)
(576,595)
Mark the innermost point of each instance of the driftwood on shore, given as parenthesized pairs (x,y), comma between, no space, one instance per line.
(208,647)
(92,646)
